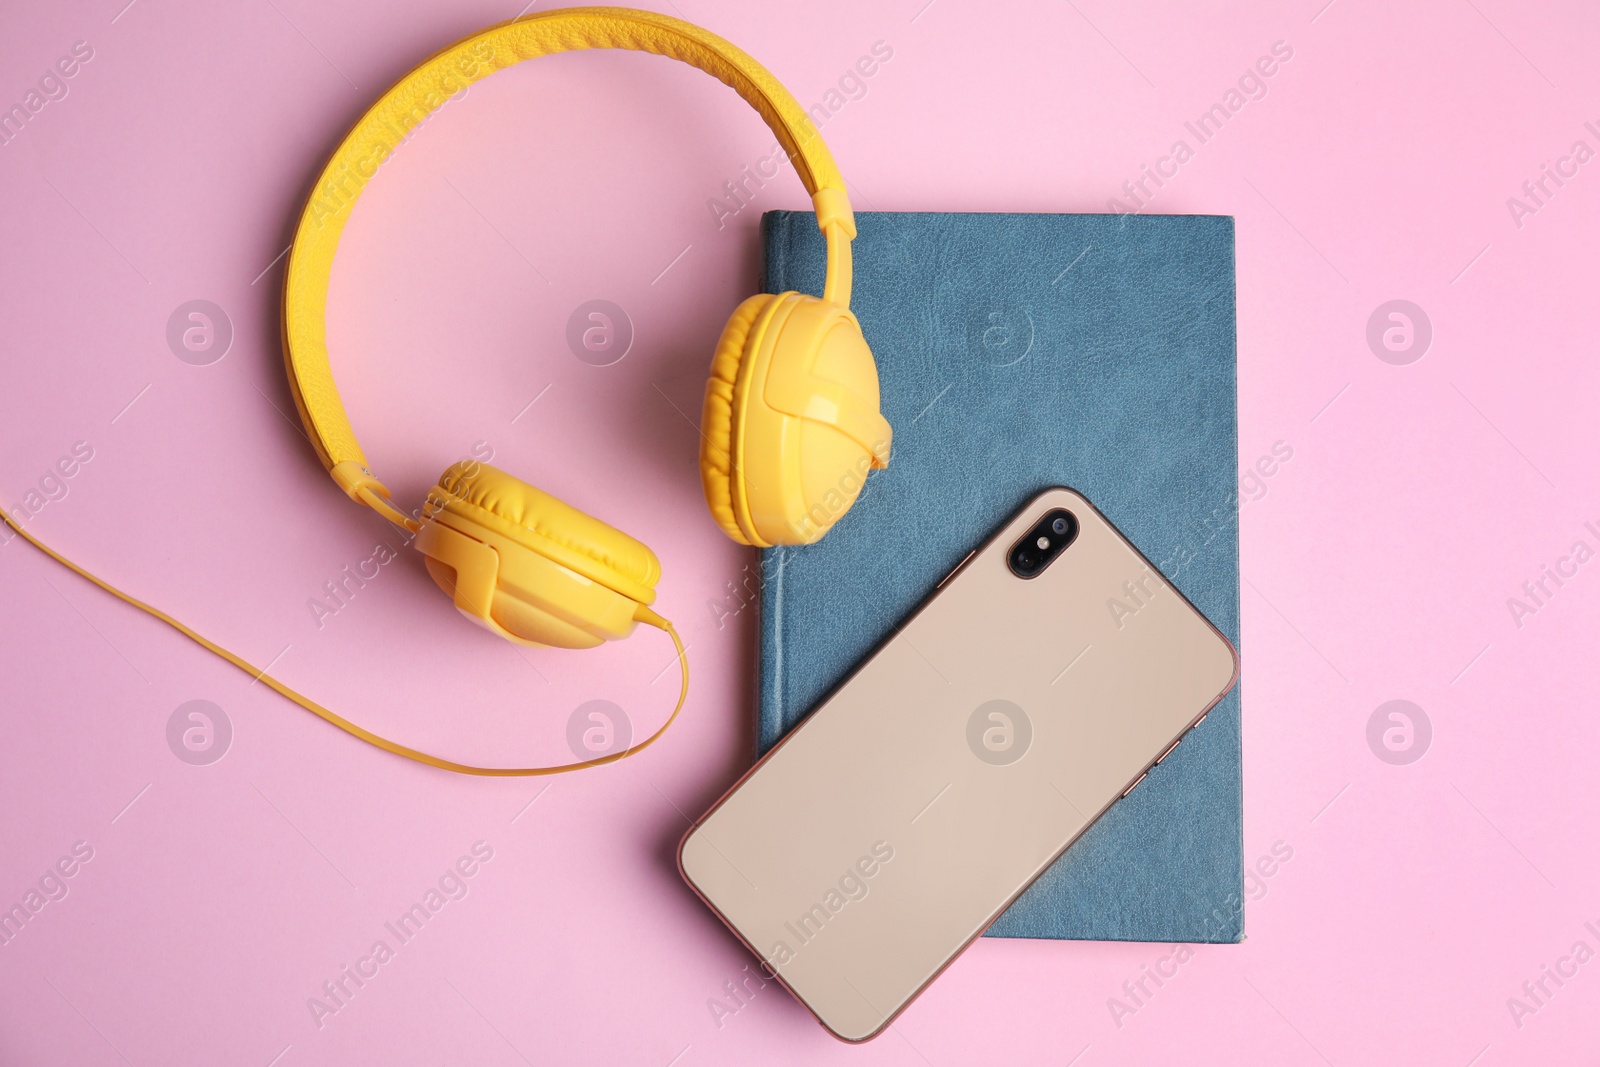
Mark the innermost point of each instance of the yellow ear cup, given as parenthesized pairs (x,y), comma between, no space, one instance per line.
(791,423)
(717,415)
(529,567)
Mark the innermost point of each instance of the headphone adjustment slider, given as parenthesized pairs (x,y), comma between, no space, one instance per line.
(353,477)
(833,209)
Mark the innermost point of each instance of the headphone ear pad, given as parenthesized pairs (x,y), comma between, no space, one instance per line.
(530,567)
(717,415)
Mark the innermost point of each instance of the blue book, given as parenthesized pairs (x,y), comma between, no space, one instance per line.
(1018,352)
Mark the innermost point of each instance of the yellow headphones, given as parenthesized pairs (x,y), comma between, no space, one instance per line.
(791,422)
(790,426)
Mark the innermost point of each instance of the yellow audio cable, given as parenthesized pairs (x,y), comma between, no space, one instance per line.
(646,616)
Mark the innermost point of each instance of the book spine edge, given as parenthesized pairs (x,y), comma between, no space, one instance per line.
(776,233)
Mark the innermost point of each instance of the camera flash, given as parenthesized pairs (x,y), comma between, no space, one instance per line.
(1044,542)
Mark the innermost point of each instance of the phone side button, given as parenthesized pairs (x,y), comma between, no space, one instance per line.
(1136,781)
(957,567)
(1167,753)
(1200,720)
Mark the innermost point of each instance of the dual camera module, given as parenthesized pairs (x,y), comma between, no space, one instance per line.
(1039,547)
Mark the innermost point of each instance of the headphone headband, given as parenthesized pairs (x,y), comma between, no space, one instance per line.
(425,89)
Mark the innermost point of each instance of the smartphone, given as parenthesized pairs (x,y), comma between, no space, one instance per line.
(1038,683)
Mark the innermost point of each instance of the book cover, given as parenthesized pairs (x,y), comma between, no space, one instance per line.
(1018,352)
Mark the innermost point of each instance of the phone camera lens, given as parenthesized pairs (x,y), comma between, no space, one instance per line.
(1039,548)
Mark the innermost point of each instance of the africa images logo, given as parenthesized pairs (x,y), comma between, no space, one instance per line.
(852,885)
(999,732)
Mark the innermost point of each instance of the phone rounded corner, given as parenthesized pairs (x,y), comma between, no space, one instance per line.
(1060,490)
(1238,666)
(679,856)
(847,1038)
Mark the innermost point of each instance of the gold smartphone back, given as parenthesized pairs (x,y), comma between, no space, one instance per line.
(897,821)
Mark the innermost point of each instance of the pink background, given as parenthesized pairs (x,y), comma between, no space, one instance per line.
(1378,563)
